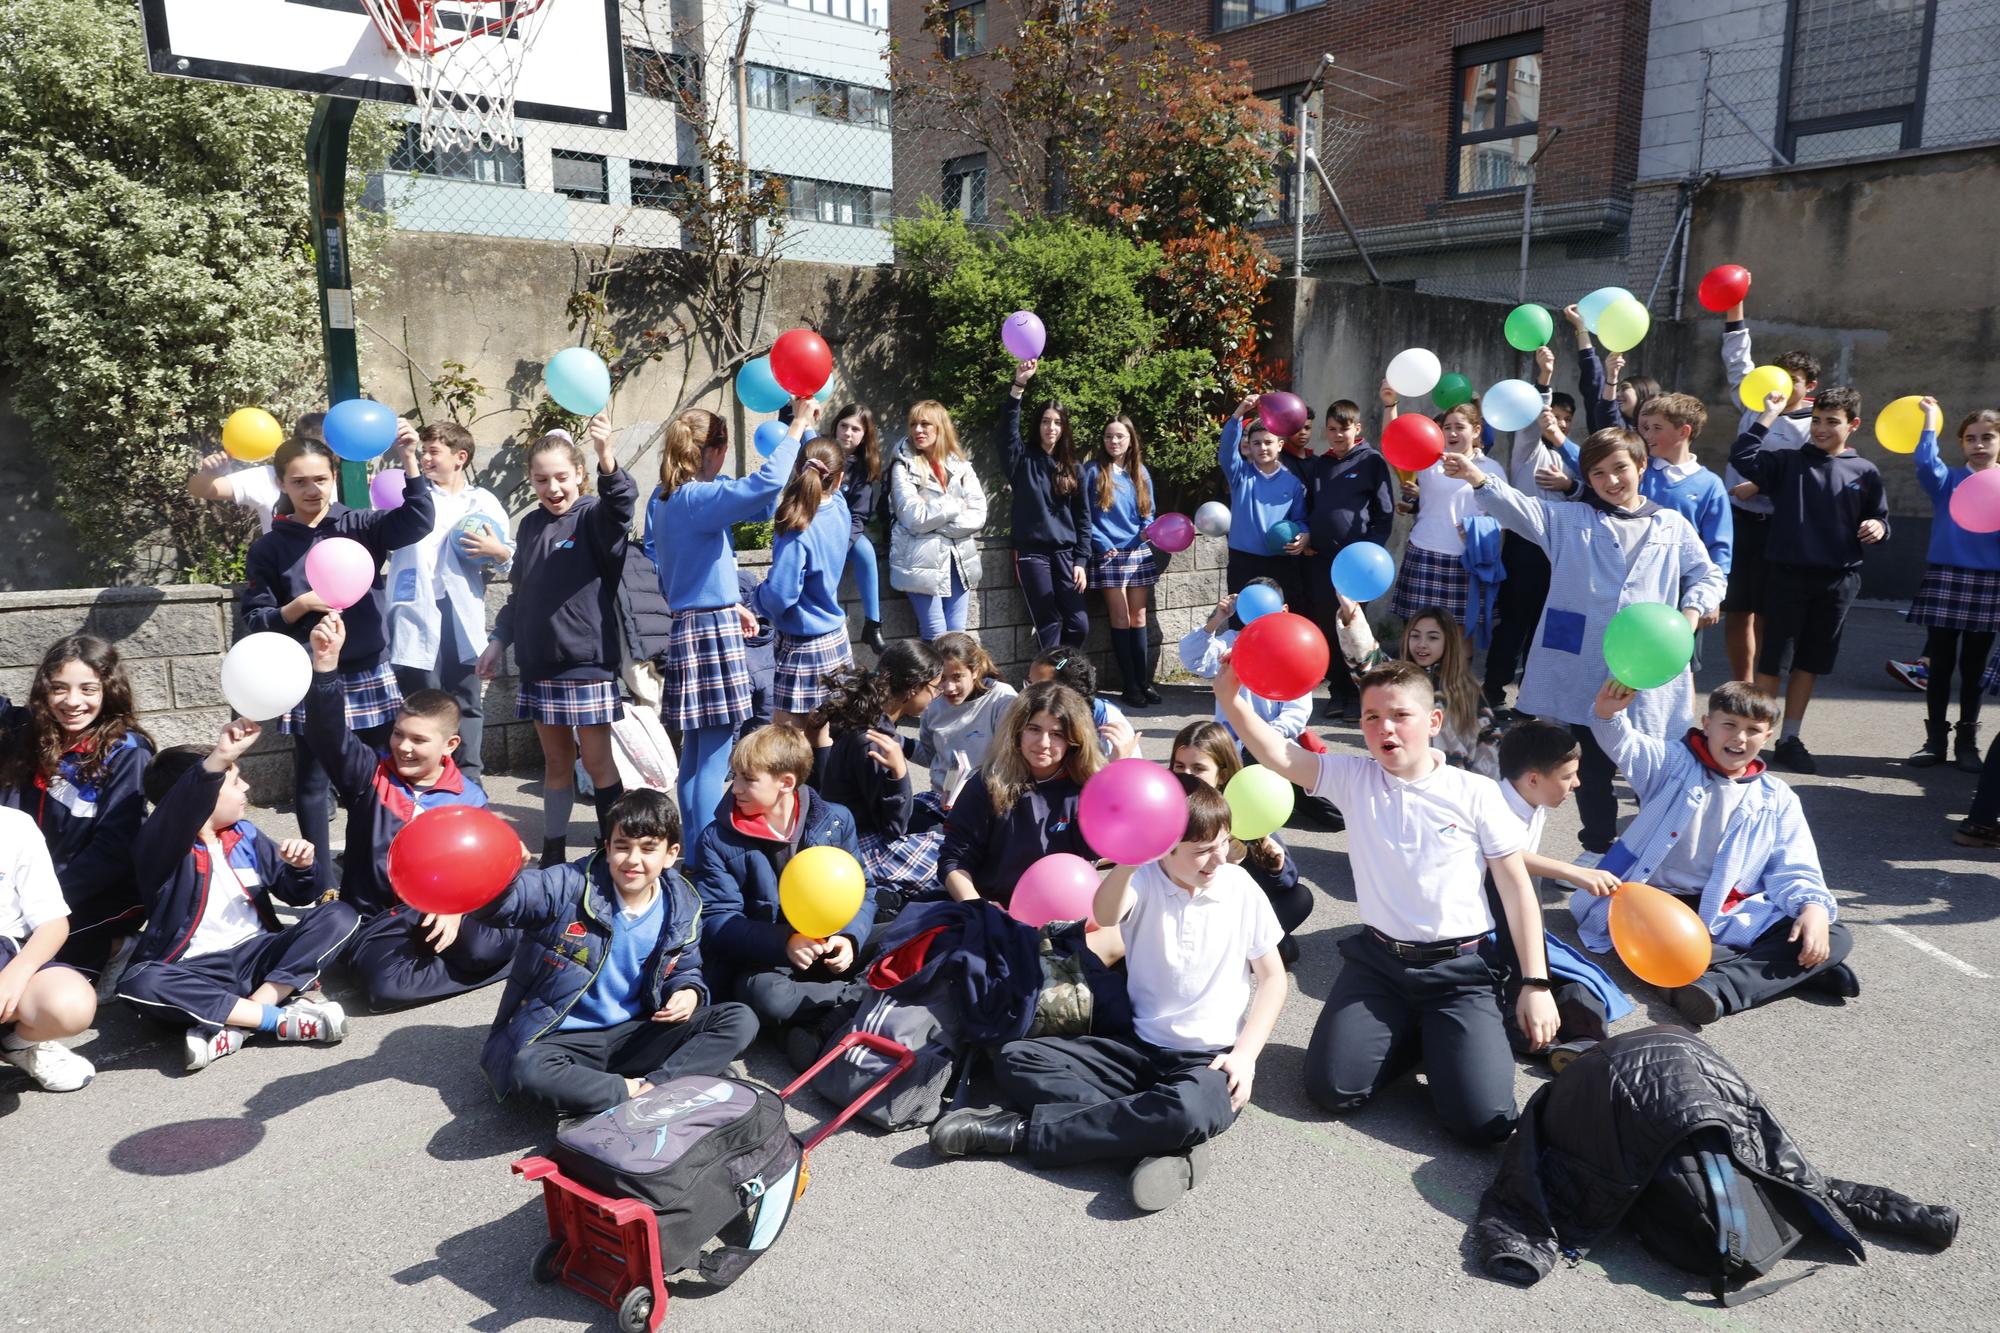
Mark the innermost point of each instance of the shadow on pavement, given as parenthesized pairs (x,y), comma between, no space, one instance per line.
(492,1262)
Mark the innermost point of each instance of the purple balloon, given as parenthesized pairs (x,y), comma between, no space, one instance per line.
(1282,413)
(385,491)
(1132,811)
(1022,334)
(1171,532)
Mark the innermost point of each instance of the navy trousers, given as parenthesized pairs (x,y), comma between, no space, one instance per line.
(458,679)
(1093,1099)
(582,1071)
(393,965)
(1048,584)
(203,990)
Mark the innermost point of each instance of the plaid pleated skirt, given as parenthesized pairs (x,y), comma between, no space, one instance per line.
(708,681)
(372,700)
(909,865)
(799,686)
(1430,578)
(568,703)
(1955,598)
(1136,568)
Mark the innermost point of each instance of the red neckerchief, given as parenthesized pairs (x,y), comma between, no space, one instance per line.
(1697,743)
(759,826)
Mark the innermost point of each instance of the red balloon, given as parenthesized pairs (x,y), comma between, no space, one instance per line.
(1412,442)
(801,362)
(1722,287)
(1280,656)
(453,859)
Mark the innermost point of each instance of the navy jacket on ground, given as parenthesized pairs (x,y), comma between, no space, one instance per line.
(562,620)
(743,929)
(176,877)
(996,850)
(1818,500)
(1351,499)
(566,914)
(1043,520)
(276,570)
(378,803)
(89,826)
(847,775)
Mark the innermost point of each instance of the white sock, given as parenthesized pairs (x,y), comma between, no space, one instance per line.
(1789,731)
(14,1042)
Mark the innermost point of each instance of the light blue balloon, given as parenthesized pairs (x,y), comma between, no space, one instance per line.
(359,429)
(825,394)
(1363,571)
(1591,306)
(578,380)
(769,436)
(1257,601)
(758,389)
(1511,405)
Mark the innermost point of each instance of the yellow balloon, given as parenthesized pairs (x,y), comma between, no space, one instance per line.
(820,891)
(1623,324)
(251,435)
(1760,384)
(1899,425)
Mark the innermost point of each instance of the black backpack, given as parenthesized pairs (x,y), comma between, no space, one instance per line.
(713,1159)
(1705,1216)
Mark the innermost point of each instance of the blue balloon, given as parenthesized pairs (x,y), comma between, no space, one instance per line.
(1280,534)
(1362,572)
(359,429)
(1511,405)
(769,436)
(825,394)
(1593,305)
(758,389)
(578,381)
(1257,601)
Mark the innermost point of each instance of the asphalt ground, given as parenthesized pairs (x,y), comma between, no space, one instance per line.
(365,1186)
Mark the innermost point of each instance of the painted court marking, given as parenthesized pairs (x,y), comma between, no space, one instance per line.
(1925,946)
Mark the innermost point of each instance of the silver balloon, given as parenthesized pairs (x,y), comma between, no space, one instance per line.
(1212,519)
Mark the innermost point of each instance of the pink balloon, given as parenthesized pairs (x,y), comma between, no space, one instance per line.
(385,491)
(1282,413)
(340,570)
(1058,887)
(1132,811)
(1975,505)
(1171,532)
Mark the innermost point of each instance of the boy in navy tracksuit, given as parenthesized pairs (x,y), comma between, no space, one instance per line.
(607,997)
(1263,492)
(214,956)
(1827,504)
(1350,497)
(768,817)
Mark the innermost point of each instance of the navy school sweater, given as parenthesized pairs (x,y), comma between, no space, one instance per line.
(1818,500)
(1043,520)
(276,570)
(562,620)
(1351,499)
(847,775)
(88,825)
(996,849)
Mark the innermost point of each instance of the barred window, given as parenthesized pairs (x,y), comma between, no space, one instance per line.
(965,187)
(1498,99)
(1854,77)
(663,184)
(498,165)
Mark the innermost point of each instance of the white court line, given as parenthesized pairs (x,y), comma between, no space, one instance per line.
(1926,946)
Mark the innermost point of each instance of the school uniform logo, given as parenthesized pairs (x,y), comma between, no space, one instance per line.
(576,930)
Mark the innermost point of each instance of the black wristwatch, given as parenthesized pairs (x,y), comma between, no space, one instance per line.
(1539,983)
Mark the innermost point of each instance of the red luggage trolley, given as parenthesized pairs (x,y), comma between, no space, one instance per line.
(609,1249)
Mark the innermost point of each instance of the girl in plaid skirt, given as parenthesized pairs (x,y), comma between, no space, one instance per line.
(280,599)
(1959,600)
(1120,495)
(867,769)
(801,594)
(707,691)
(1433,572)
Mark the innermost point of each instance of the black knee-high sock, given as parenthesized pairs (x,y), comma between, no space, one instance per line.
(1974,648)
(1941,647)
(1140,656)
(602,800)
(1128,659)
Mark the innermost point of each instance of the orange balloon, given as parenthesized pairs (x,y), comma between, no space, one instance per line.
(1659,936)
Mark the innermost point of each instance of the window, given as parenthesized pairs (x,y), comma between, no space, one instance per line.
(965,187)
(1287,103)
(662,75)
(663,185)
(580,175)
(836,203)
(823,99)
(868,106)
(489,166)
(1498,102)
(768,89)
(1236,13)
(1854,77)
(967,34)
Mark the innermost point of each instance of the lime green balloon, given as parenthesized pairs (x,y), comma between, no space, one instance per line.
(1260,802)
(1452,390)
(1529,327)
(1647,644)
(1623,324)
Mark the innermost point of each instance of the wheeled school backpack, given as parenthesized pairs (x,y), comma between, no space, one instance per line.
(1703,1215)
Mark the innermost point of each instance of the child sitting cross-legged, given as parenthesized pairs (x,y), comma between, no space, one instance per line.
(866,769)
(1730,840)
(214,957)
(607,996)
(1196,932)
(1207,751)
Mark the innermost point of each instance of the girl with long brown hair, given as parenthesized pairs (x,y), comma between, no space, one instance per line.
(801,594)
(863,489)
(1122,566)
(1433,641)
(1051,521)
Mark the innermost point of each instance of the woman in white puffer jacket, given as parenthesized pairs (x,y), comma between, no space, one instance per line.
(939,508)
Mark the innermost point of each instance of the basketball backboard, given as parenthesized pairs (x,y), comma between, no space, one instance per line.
(574,73)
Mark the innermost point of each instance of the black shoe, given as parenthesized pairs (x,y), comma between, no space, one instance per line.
(1563,1056)
(1838,981)
(1594,844)
(1133,699)
(871,634)
(1792,753)
(555,851)
(802,1046)
(971,1130)
(1159,1182)
(1698,1005)
(1965,755)
(1931,753)
(1288,952)
(1153,696)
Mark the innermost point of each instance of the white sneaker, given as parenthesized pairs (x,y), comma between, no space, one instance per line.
(205,1048)
(53,1065)
(114,968)
(312,1020)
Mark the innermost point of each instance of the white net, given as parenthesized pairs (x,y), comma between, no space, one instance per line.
(463,59)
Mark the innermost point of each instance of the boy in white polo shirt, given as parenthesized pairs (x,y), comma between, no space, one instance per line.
(41,1000)
(1196,931)
(1423,970)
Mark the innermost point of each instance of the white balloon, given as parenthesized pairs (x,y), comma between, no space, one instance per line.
(266,675)
(1414,372)
(1511,405)
(1212,519)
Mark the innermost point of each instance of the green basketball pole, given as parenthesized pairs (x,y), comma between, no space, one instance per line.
(326,167)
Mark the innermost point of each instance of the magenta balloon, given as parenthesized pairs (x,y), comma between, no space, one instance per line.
(1132,811)
(385,491)
(1282,413)
(1058,887)
(1022,334)
(1975,505)
(1171,532)
(340,570)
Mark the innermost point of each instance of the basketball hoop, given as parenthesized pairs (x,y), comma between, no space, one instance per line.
(462,58)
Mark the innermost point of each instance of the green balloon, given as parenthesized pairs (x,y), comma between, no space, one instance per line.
(1452,390)
(1647,644)
(1260,802)
(1529,327)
